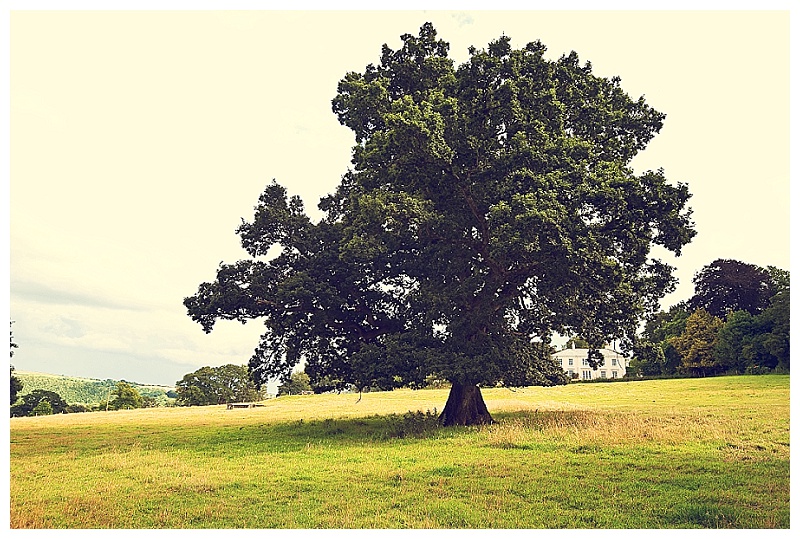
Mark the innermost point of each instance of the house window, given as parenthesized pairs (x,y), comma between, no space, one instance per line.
(587,375)
(602,374)
(613,374)
(571,373)
(570,361)
(585,363)
(614,362)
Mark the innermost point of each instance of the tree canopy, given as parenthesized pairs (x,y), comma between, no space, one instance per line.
(31,404)
(217,385)
(125,397)
(698,342)
(298,383)
(489,205)
(16,386)
(16,383)
(743,341)
(725,286)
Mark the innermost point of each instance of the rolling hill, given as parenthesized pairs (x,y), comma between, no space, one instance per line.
(86,391)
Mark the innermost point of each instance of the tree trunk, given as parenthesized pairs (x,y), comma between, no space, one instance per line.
(465,406)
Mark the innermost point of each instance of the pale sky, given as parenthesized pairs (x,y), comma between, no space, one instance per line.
(140,139)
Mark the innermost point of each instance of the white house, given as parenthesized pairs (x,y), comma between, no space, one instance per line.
(574,361)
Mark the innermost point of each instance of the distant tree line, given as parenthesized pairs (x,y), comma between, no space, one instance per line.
(207,385)
(297,384)
(44,402)
(88,391)
(217,385)
(234,383)
(736,322)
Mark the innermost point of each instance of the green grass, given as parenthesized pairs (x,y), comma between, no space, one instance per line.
(684,453)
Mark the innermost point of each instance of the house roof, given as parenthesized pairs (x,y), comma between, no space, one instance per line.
(584,352)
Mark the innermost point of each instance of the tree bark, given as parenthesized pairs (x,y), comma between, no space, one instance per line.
(465,406)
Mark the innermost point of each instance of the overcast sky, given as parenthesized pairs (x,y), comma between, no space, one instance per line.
(139,140)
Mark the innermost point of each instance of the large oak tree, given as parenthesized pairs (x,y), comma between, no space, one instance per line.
(489,205)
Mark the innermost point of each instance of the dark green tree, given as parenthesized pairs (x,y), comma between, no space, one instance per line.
(739,343)
(774,338)
(194,395)
(297,383)
(665,324)
(43,408)
(659,330)
(725,286)
(78,408)
(697,344)
(28,403)
(149,402)
(16,383)
(489,206)
(648,359)
(778,280)
(16,386)
(217,385)
(125,397)
(758,342)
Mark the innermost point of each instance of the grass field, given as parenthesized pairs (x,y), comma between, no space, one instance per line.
(683,453)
